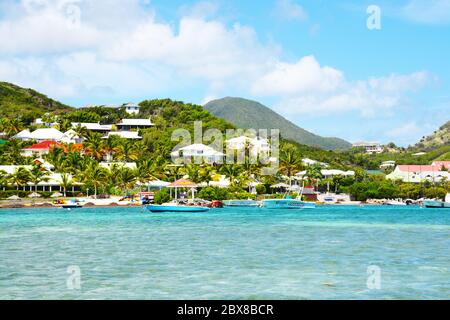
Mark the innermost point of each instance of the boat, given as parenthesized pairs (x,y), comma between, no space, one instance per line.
(241,203)
(437,204)
(177,206)
(394,203)
(286,204)
(72,206)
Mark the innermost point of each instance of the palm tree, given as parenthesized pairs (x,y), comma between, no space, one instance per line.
(233,172)
(4,179)
(128,152)
(93,146)
(20,177)
(94,175)
(38,175)
(14,126)
(290,161)
(313,174)
(81,131)
(127,178)
(66,182)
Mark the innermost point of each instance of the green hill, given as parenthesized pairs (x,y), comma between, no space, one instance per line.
(439,138)
(251,114)
(26,103)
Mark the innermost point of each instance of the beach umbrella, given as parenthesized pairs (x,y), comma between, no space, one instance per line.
(34,195)
(280,186)
(14,198)
(57,195)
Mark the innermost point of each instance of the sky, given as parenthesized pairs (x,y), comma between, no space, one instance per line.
(359,70)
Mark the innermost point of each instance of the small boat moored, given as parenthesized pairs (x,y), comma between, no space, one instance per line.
(286,204)
(437,204)
(177,206)
(241,203)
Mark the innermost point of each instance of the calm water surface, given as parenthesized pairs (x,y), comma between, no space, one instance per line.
(128,253)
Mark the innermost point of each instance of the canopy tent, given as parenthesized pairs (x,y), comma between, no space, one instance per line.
(183,183)
(34,195)
(57,195)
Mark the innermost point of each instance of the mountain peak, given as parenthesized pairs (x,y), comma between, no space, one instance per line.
(246,114)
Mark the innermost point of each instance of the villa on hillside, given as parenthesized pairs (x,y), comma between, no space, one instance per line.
(133,124)
(420,173)
(309,162)
(198,152)
(38,150)
(94,126)
(328,173)
(132,108)
(40,135)
(370,147)
(256,145)
(134,135)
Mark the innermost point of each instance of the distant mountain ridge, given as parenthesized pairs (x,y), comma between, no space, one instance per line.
(28,104)
(246,114)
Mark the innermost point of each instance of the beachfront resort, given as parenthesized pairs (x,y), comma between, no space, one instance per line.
(110,163)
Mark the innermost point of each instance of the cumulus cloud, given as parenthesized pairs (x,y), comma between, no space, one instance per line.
(118,51)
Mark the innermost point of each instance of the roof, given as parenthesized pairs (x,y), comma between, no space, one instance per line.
(182,183)
(417,168)
(46,134)
(44,145)
(207,150)
(24,134)
(93,126)
(364,144)
(441,164)
(135,122)
(124,134)
(12,168)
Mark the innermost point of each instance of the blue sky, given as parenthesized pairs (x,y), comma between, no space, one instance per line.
(315,62)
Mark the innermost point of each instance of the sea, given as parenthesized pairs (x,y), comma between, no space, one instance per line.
(331,252)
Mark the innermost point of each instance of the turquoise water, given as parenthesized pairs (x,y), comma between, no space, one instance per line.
(128,253)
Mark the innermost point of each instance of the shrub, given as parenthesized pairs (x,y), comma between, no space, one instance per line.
(261,189)
(162,196)
(213,193)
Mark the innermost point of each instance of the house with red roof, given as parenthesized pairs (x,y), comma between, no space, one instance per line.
(39,149)
(417,173)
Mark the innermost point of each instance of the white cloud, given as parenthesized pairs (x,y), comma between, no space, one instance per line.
(125,51)
(304,75)
(289,10)
(427,11)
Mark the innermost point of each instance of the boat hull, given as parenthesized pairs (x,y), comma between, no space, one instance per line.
(286,204)
(436,204)
(161,208)
(241,203)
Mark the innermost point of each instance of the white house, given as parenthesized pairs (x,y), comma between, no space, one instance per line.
(132,108)
(387,164)
(23,135)
(38,150)
(198,152)
(329,173)
(133,124)
(256,145)
(93,126)
(370,147)
(40,122)
(46,134)
(124,134)
(310,162)
(418,173)
(71,136)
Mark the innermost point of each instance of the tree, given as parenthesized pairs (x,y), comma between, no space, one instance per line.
(37,175)
(20,177)
(290,160)
(66,182)
(127,178)
(94,175)
(313,174)
(93,146)
(4,179)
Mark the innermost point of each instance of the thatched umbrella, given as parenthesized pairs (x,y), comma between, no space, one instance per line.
(34,195)
(183,183)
